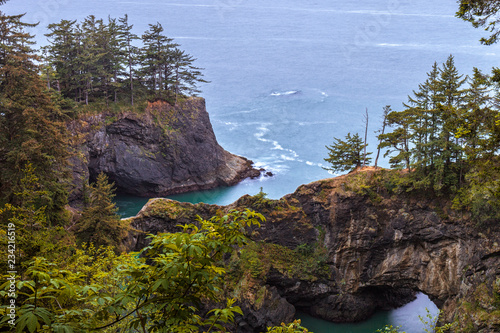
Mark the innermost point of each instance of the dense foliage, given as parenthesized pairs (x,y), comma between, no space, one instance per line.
(94,59)
(163,288)
(447,137)
(100,224)
(71,276)
(31,124)
(346,155)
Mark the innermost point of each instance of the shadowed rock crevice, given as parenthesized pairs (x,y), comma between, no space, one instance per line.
(343,248)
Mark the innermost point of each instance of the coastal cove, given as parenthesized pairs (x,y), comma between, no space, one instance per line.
(145,203)
(347,253)
(407,316)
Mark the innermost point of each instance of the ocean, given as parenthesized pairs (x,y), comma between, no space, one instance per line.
(289,76)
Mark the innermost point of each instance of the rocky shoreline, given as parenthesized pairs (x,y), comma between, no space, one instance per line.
(164,150)
(343,248)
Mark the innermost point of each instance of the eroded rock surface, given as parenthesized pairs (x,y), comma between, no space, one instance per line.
(165,150)
(374,249)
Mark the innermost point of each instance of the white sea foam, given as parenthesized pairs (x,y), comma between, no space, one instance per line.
(287,158)
(273,165)
(285,93)
(409,45)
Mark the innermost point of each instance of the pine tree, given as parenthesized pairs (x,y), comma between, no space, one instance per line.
(398,141)
(31,127)
(346,155)
(423,105)
(185,76)
(479,118)
(63,55)
(451,101)
(130,52)
(100,224)
(28,217)
(156,60)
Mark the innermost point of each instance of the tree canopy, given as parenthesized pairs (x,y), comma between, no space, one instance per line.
(31,124)
(482,14)
(97,59)
(346,155)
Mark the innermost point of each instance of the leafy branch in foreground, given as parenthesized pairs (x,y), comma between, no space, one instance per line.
(165,287)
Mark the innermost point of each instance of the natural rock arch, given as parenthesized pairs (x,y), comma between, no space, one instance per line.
(382,248)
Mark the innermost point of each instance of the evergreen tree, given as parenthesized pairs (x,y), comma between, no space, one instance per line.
(31,127)
(63,55)
(28,217)
(399,139)
(156,60)
(483,13)
(346,155)
(185,76)
(479,119)
(451,100)
(425,129)
(100,224)
(130,52)
(115,56)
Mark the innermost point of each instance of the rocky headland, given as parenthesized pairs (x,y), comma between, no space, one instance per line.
(345,247)
(161,151)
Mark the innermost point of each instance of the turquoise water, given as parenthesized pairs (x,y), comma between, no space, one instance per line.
(288,75)
(407,317)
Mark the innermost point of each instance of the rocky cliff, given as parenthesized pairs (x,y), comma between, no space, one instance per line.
(345,247)
(163,150)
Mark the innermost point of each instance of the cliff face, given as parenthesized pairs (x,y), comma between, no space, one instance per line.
(345,247)
(165,150)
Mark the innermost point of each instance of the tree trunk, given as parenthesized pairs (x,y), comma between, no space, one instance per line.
(384,123)
(366,135)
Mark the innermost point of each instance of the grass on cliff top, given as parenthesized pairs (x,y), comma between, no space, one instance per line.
(99,105)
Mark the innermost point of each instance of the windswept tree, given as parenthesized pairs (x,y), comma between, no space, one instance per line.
(98,60)
(185,75)
(346,155)
(167,71)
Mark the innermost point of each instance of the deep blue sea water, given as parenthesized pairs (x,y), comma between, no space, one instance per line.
(288,76)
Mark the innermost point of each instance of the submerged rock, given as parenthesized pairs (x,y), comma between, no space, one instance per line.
(164,150)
